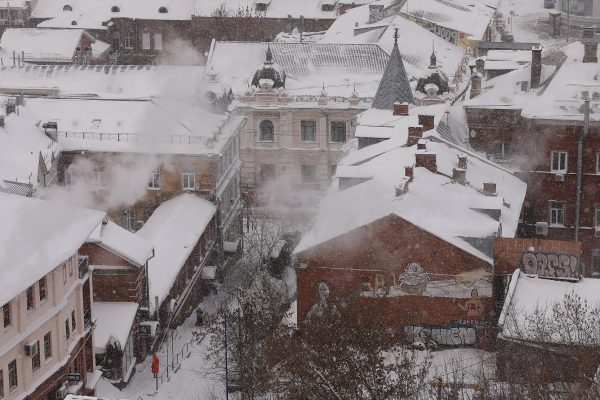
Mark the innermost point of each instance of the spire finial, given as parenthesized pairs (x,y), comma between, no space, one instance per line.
(396,37)
(269,56)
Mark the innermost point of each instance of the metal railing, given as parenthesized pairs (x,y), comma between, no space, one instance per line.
(134,137)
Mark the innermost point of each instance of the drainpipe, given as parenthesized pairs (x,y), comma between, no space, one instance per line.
(580,137)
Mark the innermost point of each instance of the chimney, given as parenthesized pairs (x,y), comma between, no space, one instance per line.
(409,172)
(462,161)
(475,85)
(415,133)
(426,160)
(11,107)
(590,51)
(459,175)
(480,65)
(401,109)
(427,122)
(51,130)
(489,188)
(536,66)
(422,144)
(375,13)
(587,33)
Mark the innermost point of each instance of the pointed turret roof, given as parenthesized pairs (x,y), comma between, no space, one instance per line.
(394,86)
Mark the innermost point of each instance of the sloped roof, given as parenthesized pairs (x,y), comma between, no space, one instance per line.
(275,8)
(394,86)
(50,45)
(122,242)
(113,322)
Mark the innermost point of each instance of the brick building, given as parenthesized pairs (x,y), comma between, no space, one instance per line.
(536,133)
(46,345)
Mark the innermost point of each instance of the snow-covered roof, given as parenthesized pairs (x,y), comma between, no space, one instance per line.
(160,126)
(40,45)
(415,42)
(174,228)
(22,142)
(528,294)
(470,17)
(275,8)
(106,81)
(308,66)
(433,201)
(122,242)
(104,10)
(113,323)
(36,236)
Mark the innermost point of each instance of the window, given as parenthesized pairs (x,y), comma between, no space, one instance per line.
(557,213)
(163,10)
(128,41)
(154,179)
(261,6)
(73,321)
(308,131)
(267,172)
(67,329)
(13,381)
(99,176)
(559,161)
(64,269)
(598,163)
(1,384)
(188,179)
(69,177)
(267,131)
(43,292)
(95,124)
(581,8)
(332,170)
(158,44)
(115,9)
(67,8)
(30,303)
(596,262)
(338,131)
(597,216)
(35,360)
(3,15)
(48,345)
(70,268)
(502,151)
(308,173)
(146,40)
(6,315)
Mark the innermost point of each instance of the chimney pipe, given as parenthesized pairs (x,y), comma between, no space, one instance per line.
(536,66)
(459,175)
(475,85)
(415,133)
(590,51)
(400,109)
(480,65)
(427,122)
(462,161)
(409,172)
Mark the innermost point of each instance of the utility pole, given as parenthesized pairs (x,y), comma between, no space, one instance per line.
(580,138)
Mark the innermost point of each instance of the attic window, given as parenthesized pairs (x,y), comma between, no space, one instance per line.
(73,23)
(95,124)
(261,6)
(327,7)
(67,8)
(115,9)
(163,10)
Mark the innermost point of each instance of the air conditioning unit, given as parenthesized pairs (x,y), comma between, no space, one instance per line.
(61,392)
(541,228)
(597,232)
(32,349)
(559,177)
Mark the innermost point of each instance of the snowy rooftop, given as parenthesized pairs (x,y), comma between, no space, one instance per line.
(113,323)
(307,65)
(527,294)
(36,237)
(415,42)
(433,201)
(122,242)
(174,228)
(106,81)
(275,9)
(160,126)
(470,17)
(40,45)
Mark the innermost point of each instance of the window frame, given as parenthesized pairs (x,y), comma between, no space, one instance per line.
(36,361)
(48,345)
(559,153)
(1,384)
(73,321)
(99,176)
(263,173)
(304,124)
(67,329)
(158,40)
(186,173)
(154,183)
(332,139)
(13,376)
(30,298)
(559,211)
(7,310)
(146,41)
(43,289)
(128,41)
(262,137)
(303,168)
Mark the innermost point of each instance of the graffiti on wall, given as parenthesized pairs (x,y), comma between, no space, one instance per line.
(551,265)
(445,335)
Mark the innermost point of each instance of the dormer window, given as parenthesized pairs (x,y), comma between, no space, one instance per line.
(67,8)
(115,9)
(261,5)
(327,7)
(73,23)
(163,10)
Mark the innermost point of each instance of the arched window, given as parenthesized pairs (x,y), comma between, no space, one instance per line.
(67,8)
(163,10)
(115,9)
(267,131)
(73,23)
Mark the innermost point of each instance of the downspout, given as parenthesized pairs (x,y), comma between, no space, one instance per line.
(148,281)
(580,137)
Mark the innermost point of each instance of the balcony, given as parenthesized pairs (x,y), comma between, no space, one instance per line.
(84,266)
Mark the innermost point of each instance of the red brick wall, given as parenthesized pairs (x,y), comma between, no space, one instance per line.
(385,247)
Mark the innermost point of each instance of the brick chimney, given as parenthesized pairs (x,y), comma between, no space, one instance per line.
(415,133)
(375,13)
(422,144)
(480,65)
(587,33)
(409,171)
(536,66)
(427,122)
(489,188)
(459,175)
(462,161)
(590,51)
(401,109)
(426,160)
(475,85)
